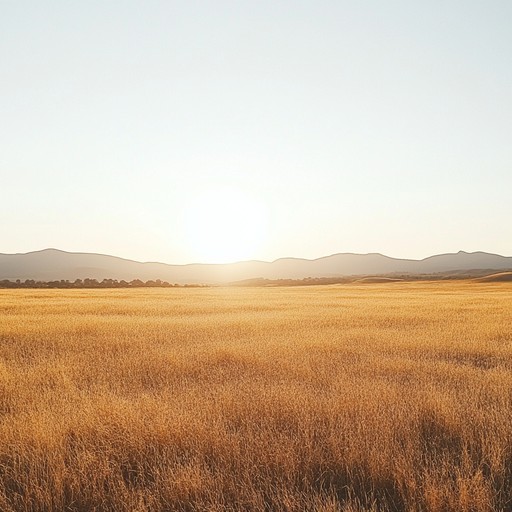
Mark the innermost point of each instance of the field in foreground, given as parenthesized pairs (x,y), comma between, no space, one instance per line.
(370,397)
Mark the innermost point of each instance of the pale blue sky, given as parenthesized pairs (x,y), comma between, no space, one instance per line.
(348,126)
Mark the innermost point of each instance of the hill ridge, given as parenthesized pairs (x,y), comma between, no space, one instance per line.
(57,264)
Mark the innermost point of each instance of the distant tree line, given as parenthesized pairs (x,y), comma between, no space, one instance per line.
(92,283)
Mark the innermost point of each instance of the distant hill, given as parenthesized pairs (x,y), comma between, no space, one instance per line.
(376,280)
(500,277)
(53,264)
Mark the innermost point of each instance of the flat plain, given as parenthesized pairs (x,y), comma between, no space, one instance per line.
(369,397)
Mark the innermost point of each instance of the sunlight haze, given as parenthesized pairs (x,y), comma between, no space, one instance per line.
(224,225)
(200,131)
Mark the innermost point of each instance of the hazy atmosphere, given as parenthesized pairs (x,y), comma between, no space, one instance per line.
(255,256)
(218,131)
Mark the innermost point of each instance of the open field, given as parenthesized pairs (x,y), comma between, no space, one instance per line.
(368,397)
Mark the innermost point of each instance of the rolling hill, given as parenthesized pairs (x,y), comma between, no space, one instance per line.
(53,264)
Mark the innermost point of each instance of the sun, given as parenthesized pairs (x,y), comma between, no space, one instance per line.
(224,225)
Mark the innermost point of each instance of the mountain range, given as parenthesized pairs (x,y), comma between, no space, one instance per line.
(54,264)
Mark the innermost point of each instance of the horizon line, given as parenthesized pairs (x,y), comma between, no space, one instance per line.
(250,260)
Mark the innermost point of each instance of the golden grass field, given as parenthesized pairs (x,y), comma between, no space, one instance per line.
(371,397)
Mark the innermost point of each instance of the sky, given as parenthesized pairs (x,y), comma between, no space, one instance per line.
(214,131)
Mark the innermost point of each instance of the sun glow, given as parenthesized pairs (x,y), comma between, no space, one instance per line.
(225,225)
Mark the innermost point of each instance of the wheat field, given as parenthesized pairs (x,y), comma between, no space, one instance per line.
(375,397)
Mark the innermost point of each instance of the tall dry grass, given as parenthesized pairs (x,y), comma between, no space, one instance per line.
(392,397)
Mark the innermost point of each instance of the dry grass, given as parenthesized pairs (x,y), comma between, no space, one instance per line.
(354,398)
